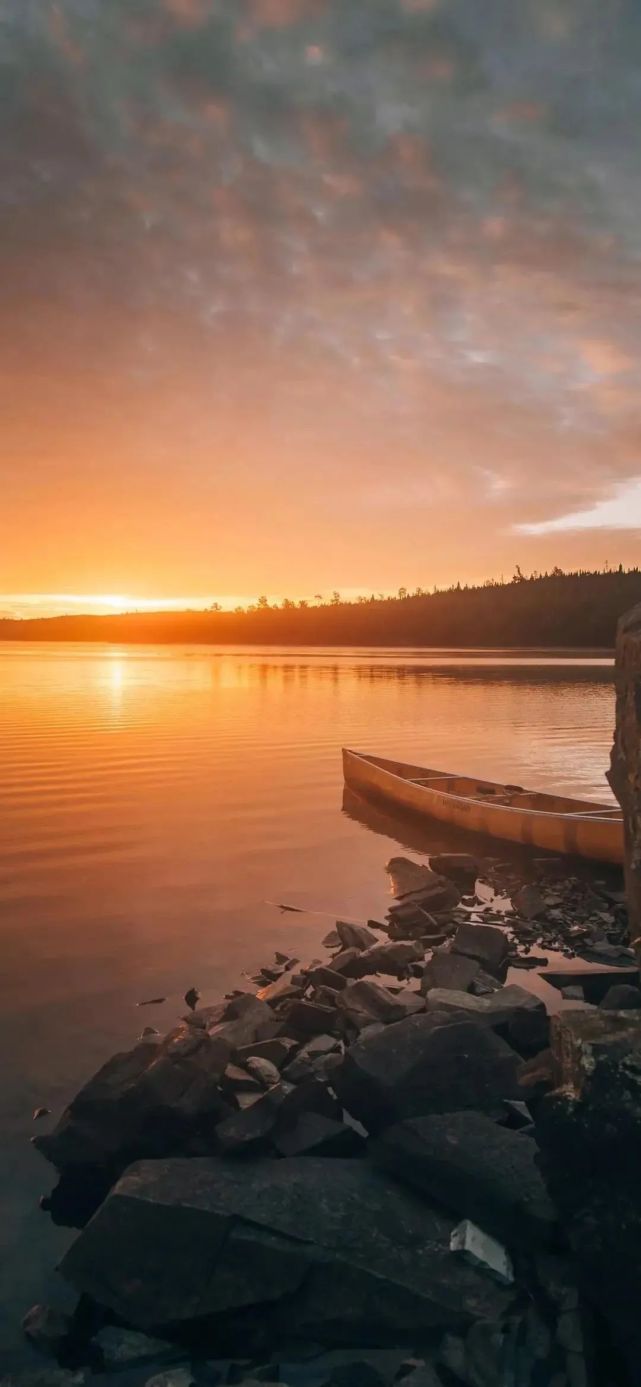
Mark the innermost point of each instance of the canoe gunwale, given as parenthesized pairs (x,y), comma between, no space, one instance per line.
(486,803)
(585,829)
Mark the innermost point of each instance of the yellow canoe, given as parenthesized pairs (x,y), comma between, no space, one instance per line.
(578,827)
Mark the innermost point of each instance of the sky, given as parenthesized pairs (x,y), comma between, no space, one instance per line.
(303,295)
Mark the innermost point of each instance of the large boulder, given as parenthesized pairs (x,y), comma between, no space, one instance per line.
(589,1131)
(432,1062)
(329,1250)
(143,1102)
(487,944)
(513,1011)
(479,1170)
(625,765)
(158,1097)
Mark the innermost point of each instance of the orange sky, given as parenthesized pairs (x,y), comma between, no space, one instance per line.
(300,296)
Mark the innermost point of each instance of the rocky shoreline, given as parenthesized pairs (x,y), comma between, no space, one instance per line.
(366,1172)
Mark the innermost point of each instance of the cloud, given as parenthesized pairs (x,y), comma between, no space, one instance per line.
(619,512)
(316,235)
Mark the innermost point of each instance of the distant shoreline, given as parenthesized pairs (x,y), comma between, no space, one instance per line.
(554,611)
(469,651)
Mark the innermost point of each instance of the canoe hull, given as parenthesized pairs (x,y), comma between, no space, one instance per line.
(597,839)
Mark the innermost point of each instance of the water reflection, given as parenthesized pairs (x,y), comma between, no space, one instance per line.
(154,799)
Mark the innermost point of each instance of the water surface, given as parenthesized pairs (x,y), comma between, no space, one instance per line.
(153,800)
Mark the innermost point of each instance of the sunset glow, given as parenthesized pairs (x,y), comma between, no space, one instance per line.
(275,322)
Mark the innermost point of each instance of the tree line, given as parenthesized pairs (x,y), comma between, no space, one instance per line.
(579,608)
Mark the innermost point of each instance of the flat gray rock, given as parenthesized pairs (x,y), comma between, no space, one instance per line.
(332,1250)
(479,1170)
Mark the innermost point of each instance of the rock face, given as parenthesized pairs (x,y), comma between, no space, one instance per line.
(154,1099)
(515,1013)
(449,970)
(330,1250)
(364,1003)
(479,1170)
(625,766)
(487,944)
(589,1131)
(431,1063)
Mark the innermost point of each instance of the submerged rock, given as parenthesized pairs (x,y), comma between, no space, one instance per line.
(146,1101)
(479,1170)
(329,1250)
(430,1063)
(460,867)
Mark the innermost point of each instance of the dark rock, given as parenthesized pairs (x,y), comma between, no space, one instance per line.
(484,942)
(621,998)
(429,1063)
(314,1135)
(477,1169)
(238,1080)
(460,867)
(449,970)
(414,883)
(514,1012)
(279,1051)
(326,996)
(327,977)
(355,936)
(365,1002)
(483,984)
(332,1248)
(344,1367)
(530,902)
(284,989)
(625,768)
(536,1076)
(348,962)
(242,1020)
(601,951)
(302,1067)
(173,1377)
(46,1328)
(393,958)
(308,1018)
(250,1129)
(128,1348)
(147,1101)
(254,1129)
(589,1131)
(423,1376)
(45,1377)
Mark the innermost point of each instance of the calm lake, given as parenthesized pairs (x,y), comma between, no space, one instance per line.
(155,800)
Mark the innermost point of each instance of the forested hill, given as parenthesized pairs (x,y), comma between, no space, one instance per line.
(558,609)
